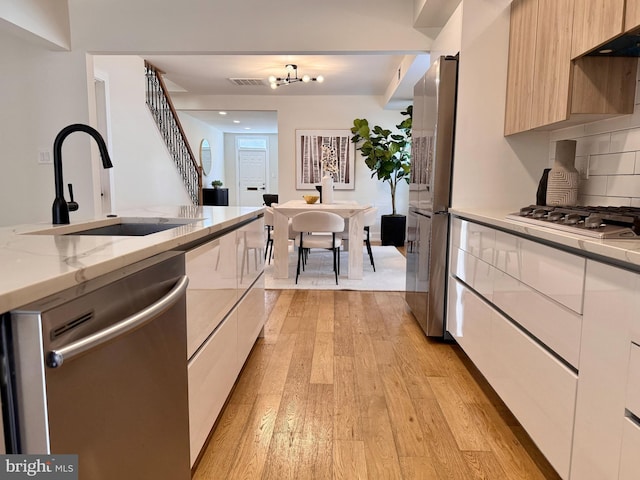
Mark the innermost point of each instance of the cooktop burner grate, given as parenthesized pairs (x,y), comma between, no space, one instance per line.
(597,222)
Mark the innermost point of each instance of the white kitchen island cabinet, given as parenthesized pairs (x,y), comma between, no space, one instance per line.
(225,315)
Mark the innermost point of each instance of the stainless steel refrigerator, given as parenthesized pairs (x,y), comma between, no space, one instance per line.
(434,112)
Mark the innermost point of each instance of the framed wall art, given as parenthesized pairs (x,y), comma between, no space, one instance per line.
(324,151)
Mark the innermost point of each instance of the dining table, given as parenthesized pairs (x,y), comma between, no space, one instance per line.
(353,213)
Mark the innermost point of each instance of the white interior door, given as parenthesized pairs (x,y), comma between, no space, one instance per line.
(252,175)
(102,117)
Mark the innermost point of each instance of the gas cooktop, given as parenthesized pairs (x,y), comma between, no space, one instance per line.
(597,222)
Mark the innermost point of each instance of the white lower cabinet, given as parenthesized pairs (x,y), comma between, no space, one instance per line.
(629,462)
(225,315)
(537,388)
(212,373)
(606,365)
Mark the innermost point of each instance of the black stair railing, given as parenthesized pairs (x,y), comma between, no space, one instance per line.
(166,119)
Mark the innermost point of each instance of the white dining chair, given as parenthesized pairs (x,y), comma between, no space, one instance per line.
(369,219)
(318,230)
(269,222)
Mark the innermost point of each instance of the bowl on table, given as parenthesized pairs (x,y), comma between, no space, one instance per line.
(310,198)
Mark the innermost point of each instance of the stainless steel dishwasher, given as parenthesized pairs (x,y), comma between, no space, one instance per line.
(100,370)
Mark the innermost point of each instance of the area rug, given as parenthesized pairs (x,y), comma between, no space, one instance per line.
(318,273)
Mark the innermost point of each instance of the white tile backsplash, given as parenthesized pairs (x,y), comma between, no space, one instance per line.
(607,157)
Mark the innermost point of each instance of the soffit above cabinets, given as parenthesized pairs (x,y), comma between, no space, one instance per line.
(434,13)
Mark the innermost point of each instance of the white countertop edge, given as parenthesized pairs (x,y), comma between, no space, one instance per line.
(35,266)
(626,252)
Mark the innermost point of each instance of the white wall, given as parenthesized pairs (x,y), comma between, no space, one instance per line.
(449,40)
(45,22)
(490,171)
(143,172)
(41,92)
(196,130)
(314,112)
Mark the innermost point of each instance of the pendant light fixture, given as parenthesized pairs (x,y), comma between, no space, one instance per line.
(292,77)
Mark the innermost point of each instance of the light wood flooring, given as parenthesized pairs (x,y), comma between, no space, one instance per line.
(344,385)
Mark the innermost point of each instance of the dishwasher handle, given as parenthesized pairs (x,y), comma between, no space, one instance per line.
(55,358)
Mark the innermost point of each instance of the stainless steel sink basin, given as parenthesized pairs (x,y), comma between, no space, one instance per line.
(127,229)
(118,227)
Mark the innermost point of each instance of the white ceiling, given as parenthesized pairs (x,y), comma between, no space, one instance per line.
(345,74)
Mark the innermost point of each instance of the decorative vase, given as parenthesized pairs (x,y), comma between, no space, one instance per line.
(562,184)
(327,189)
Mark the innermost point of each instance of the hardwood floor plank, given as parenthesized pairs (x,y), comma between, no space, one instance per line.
(343,331)
(347,423)
(406,429)
(278,365)
(277,317)
(217,458)
(349,460)
(418,468)
(380,447)
(326,312)
(485,465)
(252,450)
(253,373)
(460,418)
(322,363)
(282,458)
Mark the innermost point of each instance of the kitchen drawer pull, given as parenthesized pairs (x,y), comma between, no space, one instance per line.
(55,358)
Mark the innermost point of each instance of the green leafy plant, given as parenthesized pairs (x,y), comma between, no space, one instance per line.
(387,154)
(216,183)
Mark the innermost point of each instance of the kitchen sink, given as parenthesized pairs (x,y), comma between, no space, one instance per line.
(118,227)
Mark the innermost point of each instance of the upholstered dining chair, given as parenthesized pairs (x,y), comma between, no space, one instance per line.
(318,230)
(369,218)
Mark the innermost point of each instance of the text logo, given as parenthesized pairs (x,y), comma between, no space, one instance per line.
(50,467)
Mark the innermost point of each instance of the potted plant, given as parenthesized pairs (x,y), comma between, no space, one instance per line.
(388,156)
(216,183)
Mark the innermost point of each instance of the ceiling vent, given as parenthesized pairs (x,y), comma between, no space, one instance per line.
(248,82)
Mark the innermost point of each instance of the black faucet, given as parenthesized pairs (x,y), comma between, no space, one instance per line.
(60,206)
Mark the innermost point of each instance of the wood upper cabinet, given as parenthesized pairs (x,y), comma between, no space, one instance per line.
(596,22)
(545,88)
(632,15)
(539,64)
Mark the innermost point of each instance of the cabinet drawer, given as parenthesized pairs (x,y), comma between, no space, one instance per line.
(475,239)
(633,381)
(212,373)
(553,324)
(251,318)
(469,323)
(557,274)
(537,388)
(213,289)
(629,464)
(473,271)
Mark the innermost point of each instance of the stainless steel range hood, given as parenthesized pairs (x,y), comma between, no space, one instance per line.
(626,45)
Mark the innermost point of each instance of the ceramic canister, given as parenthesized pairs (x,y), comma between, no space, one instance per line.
(562,184)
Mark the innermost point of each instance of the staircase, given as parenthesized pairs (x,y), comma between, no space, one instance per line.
(169,126)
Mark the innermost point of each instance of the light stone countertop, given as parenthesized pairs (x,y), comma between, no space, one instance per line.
(34,266)
(625,253)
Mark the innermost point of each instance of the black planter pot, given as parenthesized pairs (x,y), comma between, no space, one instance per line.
(392,229)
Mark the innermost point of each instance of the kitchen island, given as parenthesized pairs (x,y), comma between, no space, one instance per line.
(221,250)
(38,265)
(549,319)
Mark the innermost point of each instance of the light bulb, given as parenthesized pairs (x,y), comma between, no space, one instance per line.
(319,79)
(274,86)
(306,78)
(272,79)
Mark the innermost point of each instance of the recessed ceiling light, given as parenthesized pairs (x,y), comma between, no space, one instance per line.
(247,128)
(222,113)
(236,121)
(605,51)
